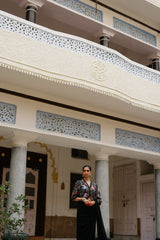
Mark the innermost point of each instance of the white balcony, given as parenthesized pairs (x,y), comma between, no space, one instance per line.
(69,67)
(81,19)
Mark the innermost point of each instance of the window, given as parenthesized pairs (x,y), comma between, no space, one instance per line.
(77,153)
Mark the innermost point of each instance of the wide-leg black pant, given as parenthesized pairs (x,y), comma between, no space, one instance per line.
(86,221)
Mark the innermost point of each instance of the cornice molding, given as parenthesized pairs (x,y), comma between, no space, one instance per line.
(107,91)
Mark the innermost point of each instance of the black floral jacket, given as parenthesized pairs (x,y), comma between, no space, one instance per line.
(82,189)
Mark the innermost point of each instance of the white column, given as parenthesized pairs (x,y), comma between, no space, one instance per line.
(18,168)
(157,199)
(102,180)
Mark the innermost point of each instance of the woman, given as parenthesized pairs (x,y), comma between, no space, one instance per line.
(86,193)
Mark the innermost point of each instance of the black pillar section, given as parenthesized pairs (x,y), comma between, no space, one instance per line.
(104,40)
(31,12)
(156,64)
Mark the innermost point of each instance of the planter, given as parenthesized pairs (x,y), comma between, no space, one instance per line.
(15,236)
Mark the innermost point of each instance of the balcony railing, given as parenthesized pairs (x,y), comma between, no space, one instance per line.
(134,31)
(82,8)
(76,44)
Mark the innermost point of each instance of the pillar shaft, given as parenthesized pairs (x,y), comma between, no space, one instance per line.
(31,12)
(17,175)
(102,180)
(157,199)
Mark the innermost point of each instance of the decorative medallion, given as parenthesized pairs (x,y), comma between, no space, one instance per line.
(98,70)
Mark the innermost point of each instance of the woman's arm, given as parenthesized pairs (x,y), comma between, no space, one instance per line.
(79,199)
(86,201)
(75,195)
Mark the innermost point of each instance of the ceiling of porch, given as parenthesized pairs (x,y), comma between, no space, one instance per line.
(138,9)
(142,10)
(93,147)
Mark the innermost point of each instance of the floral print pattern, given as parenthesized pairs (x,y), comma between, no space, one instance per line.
(82,189)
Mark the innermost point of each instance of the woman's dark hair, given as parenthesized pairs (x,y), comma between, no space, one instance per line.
(87,166)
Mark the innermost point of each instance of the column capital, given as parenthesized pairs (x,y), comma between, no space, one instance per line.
(35,3)
(20,139)
(104,37)
(154,55)
(105,32)
(157,55)
(156,164)
(101,156)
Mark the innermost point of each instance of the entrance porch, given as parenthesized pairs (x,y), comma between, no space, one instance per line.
(59,219)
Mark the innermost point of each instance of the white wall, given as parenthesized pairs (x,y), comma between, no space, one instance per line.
(57,200)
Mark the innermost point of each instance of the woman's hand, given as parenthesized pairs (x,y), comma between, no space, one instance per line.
(88,202)
(92,203)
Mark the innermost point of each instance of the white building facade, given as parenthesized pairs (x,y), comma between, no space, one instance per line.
(80,84)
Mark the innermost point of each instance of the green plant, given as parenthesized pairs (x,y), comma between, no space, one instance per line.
(11,219)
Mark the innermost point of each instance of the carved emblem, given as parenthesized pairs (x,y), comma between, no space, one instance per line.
(98,70)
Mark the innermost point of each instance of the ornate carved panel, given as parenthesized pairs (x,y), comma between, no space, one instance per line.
(65,125)
(7,113)
(137,140)
(82,8)
(134,31)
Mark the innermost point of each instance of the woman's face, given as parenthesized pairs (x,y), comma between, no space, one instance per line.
(86,172)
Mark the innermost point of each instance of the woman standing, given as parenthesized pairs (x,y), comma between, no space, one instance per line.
(86,193)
